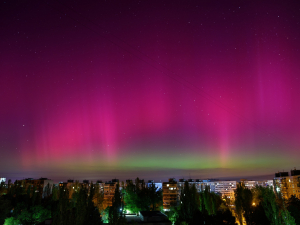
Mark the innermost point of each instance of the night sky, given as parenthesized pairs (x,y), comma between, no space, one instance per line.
(155,89)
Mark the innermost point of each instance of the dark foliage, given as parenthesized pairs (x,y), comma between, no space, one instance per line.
(138,197)
(30,205)
(293,206)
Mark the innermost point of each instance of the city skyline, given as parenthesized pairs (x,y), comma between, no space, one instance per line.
(105,178)
(205,89)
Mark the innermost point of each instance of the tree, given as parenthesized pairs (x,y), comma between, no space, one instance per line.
(172,214)
(270,205)
(144,199)
(105,215)
(33,215)
(138,197)
(155,196)
(258,216)
(293,206)
(55,191)
(274,207)
(40,214)
(209,201)
(47,191)
(5,208)
(243,203)
(214,209)
(27,214)
(225,217)
(8,185)
(115,211)
(131,197)
(287,218)
(2,188)
(81,207)
(189,204)
(12,221)
(98,198)
(93,215)
(79,210)
(62,209)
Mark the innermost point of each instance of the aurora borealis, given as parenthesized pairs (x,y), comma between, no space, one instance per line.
(155,89)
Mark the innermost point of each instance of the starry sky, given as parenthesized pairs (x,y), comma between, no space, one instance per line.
(154,89)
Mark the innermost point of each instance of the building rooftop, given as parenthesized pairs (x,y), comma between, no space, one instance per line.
(153,216)
(282,174)
(295,172)
(148,217)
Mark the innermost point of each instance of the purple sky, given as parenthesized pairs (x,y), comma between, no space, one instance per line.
(155,89)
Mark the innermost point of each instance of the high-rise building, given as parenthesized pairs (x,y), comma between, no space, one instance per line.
(250,184)
(268,183)
(288,185)
(199,185)
(225,188)
(101,186)
(42,185)
(180,185)
(109,191)
(170,194)
(211,184)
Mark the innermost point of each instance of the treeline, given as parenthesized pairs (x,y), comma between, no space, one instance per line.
(133,198)
(263,206)
(85,204)
(30,205)
(138,197)
(200,208)
(258,206)
(77,204)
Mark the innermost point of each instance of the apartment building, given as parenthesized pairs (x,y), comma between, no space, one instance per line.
(225,188)
(250,184)
(101,186)
(180,185)
(288,185)
(43,185)
(109,191)
(170,194)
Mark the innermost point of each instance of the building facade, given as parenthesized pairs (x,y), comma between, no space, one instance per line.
(287,185)
(170,194)
(42,185)
(109,191)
